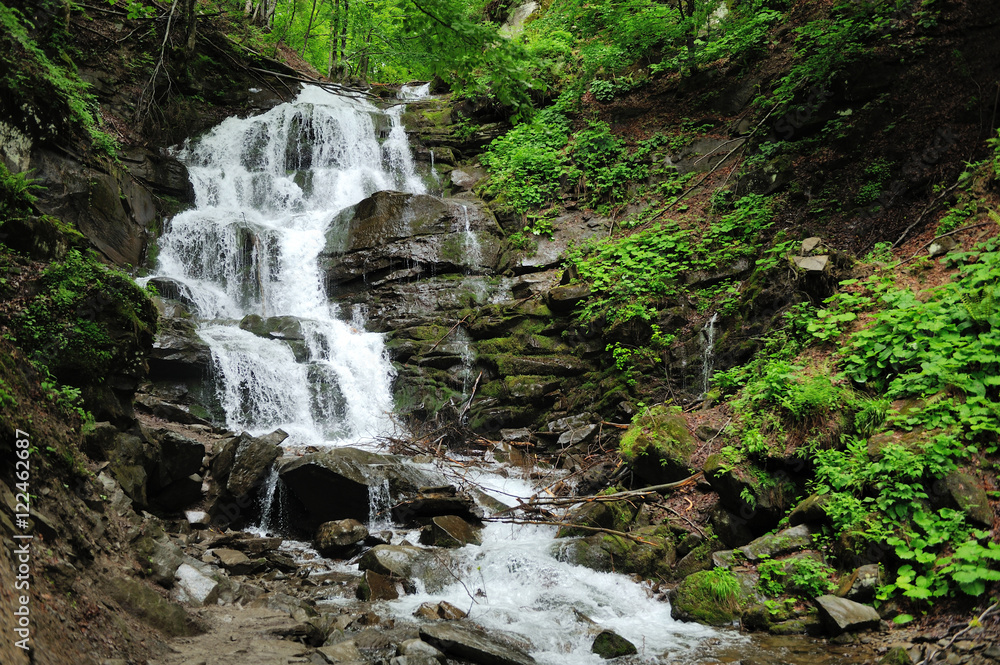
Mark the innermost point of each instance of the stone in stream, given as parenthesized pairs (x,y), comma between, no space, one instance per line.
(450,531)
(348,472)
(443,610)
(465,642)
(408,562)
(434,502)
(610,645)
(841,615)
(339,538)
(375,586)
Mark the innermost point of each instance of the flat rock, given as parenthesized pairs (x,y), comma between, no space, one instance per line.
(841,615)
(409,563)
(468,643)
(450,531)
(812,263)
(776,544)
(375,586)
(434,504)
(417,647)
(342,652)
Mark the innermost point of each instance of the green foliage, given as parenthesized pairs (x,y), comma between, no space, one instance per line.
(957,216)
(34,69)
(829,44)
(75,324)
(16,194)
(917,349)
(527,163)
(723,587)
(805,576)
(877,174)
(630,274)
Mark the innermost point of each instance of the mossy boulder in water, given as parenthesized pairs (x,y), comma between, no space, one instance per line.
(610,645)
(658,444)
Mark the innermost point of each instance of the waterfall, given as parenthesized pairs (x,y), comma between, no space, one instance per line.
(473,251)
(270,518)
(414,92)
(379,505)
(708,354)
(267,193)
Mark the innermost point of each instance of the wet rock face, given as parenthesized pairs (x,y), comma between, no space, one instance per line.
(114,211)
(349,473)
(610,645)
(398,237)
(336,539)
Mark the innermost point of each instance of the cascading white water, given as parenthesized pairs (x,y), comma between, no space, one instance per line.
(267,190)
(709,354)
(413,92)
(379,505)
(513,582)
(473,250)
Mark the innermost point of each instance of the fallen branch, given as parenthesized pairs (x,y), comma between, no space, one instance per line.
(449,332)
(468,405)
(713,169)
(943,235)
(977,622)
(611,532)
(603,498)
(932,205)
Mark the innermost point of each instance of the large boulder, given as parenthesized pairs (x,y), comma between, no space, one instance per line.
(178,352)
(468,643)
(396,236)
(176,483)
(239,468)
(659,444)
(842,615)
(964,492)
(349,473)
(408,563)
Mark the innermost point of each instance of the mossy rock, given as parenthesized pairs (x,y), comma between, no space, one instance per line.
(652,559)
(712,597)
(610,645)
(154,610)
(658,444)
(616,516)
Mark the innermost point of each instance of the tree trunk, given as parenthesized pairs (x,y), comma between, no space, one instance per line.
(305,39)
(190,27)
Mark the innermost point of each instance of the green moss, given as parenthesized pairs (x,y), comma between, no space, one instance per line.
(659,433)
(711,597)
(153,609)
(87,321)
